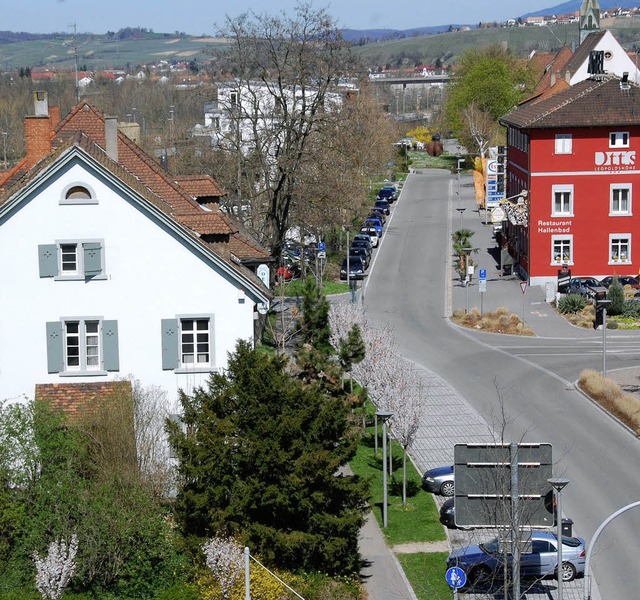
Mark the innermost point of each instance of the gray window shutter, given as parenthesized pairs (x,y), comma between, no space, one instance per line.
(55,347)
(170,335)
(212,340)
(110,354)
(92,258)
(48,260)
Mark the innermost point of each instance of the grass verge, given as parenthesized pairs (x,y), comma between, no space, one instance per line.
(425,571)
(415,522)
(295,287)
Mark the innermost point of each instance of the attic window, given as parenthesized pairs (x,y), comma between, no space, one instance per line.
(78,194)
(608,55)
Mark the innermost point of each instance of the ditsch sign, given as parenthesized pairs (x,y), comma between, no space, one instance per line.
(615,160)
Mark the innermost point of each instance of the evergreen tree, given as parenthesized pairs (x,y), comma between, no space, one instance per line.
(616,295)
(259,459)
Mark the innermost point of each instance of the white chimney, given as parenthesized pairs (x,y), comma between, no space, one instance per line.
(41,104)
(111,137)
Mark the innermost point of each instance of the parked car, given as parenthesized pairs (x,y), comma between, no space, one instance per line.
(485,562)
(383,205)
(372,233)
(388,193)
(362,254)
(356,269)
(439,481)
(373,222)
(589,287)
(363,238)
(376,213)
(366,245)
(622,280)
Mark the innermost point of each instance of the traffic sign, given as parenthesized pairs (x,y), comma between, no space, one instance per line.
(523,286)
(482,286)
(456,577)
(322,246)
(482,274)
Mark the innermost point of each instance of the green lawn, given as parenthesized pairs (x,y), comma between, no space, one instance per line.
(295,287)
(425,571)
(418,521)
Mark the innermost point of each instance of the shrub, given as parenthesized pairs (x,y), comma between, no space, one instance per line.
(616,295)
(571,304)
(631,309)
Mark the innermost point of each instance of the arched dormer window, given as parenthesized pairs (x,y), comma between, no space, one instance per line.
(78,194)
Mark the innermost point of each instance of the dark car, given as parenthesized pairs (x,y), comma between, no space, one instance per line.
(588,287)
(376,213)
(485,562)
(439,481)
(366,245)
(373,234)
(622,280)
(356,269)
(448,513)
(362,254)
(384,205)
(363,238)
(388,193)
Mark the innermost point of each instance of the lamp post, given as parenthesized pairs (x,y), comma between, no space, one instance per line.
(603,304)
(384,416)
(467,279)
(461,210)
(559,483)
(4,145)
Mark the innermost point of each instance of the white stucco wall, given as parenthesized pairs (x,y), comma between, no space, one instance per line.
(618,64)
(151,275)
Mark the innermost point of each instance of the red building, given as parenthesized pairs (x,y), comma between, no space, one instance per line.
(575,155)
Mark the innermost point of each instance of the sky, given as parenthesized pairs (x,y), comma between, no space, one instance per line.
(199,17)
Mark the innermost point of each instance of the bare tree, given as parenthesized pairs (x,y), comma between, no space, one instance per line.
(480,130)
(287,70)
(406,403)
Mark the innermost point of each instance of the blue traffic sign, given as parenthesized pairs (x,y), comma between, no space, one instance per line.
(456,577)
(482,274)
(322,246)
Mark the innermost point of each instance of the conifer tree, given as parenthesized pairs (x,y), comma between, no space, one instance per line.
(259,461)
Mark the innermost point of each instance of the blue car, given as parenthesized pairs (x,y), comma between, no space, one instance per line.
(439,481)
(485,563)
(388,193)
(372,222)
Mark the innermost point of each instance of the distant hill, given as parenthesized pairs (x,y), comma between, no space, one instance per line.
(375,35)
(572,6)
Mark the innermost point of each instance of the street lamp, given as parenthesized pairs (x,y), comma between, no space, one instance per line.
(461,210)
(559,483)
(603,304)
(384,416)
(467,251)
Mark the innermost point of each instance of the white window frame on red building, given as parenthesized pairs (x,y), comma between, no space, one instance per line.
(619,139)
(559,191)
(564,143)
(615,206)
(560,255)
(617,241)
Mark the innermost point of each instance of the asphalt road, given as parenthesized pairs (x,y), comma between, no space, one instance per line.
(410,287)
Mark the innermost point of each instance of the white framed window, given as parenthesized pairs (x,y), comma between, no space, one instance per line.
(620,199)
(619,139)
(561,249)
(562,200)
(82,346)
(72,259)
(564,143)
(619,248)
(195,342)
(188,343)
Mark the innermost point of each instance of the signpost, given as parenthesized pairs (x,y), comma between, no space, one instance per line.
(456,578)
(523,287)
(482,286)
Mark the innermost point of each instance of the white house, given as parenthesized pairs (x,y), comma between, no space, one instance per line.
(109,268)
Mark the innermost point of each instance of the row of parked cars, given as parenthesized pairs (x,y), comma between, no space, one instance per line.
(596,289)
(483,563)
(361,249)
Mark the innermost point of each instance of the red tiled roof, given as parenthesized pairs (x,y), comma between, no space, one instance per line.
(73,399)
(589,103)
(207,223)
(200,186)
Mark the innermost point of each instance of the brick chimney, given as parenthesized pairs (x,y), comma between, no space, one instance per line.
(38,130)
